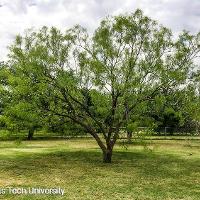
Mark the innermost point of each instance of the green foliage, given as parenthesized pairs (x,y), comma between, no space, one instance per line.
(100,82)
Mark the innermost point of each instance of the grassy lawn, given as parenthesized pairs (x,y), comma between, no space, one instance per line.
(165,169)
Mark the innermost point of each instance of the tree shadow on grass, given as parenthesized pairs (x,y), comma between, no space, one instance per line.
(136,168)
(148,164)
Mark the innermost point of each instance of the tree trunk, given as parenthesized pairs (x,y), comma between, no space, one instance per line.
(30,133)
(107,156)
(129,136)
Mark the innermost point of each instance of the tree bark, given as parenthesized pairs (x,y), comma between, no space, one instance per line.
(107,156)
(129,136)
(30,133)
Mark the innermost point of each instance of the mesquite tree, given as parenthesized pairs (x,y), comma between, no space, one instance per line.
(98,81)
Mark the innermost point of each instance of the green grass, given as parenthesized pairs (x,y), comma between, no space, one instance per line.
(164,169)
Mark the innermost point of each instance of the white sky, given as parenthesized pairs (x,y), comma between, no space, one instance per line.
(18,15)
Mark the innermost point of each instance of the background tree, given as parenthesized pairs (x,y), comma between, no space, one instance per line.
(18,113)
(170,110)
(97,82)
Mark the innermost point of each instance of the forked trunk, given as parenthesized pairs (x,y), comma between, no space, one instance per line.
(106,148)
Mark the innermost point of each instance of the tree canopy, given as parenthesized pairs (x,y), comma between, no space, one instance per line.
(98,81)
